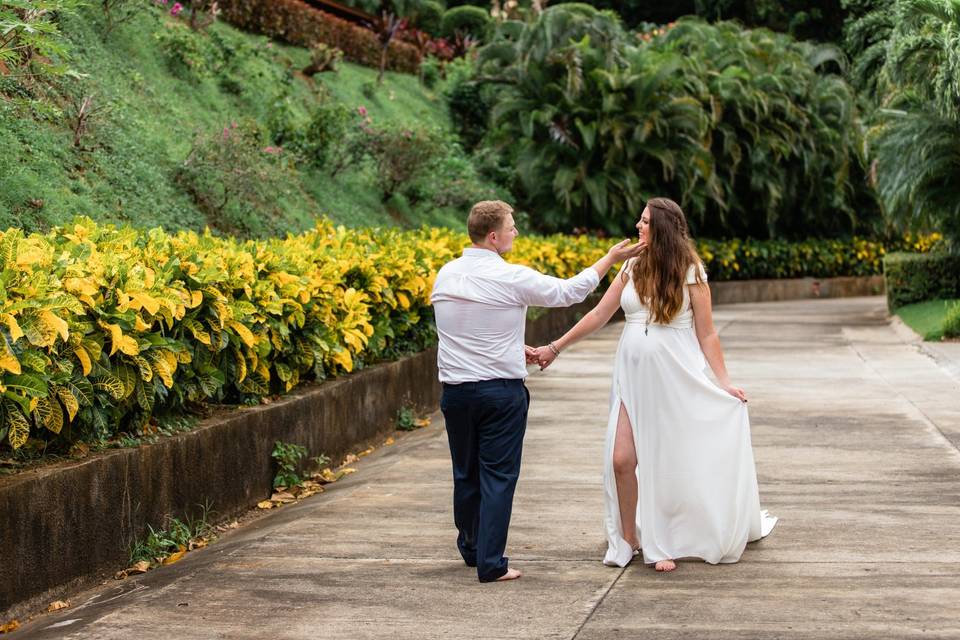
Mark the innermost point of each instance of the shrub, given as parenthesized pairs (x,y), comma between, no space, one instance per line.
(323,58)
(469,111)
(951,322)
(454,183)
(298,23)
(430,71)
(189,54)
(105,330)
(401,154)
(468,20)
(913,277)
(235,179)
(429,17)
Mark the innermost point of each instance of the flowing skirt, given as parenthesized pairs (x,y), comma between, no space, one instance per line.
(698,494)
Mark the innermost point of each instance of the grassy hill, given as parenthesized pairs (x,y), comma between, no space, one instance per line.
(147,106)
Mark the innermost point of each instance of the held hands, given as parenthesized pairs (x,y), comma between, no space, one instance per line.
(541,356)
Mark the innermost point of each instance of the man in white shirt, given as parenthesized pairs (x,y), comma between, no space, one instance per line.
(480,302)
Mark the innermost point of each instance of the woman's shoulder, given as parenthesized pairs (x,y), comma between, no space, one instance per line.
(692,272)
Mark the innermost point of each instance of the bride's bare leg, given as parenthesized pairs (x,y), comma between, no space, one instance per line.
(625,472)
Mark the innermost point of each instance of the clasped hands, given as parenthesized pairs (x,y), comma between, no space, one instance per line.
(542,356)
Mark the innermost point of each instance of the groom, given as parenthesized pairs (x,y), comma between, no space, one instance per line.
(480,302)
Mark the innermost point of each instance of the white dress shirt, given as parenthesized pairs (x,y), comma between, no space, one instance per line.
(480,302)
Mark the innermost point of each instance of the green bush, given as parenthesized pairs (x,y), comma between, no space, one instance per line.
(743,128)
(429,17)
(236,180)
(914,277)
(454,183)
(951,323)
(469,20)
(430,71)
(469,111)
(190,55)
(401,155)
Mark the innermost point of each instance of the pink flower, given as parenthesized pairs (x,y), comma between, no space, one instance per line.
(226,133)
(176,9)
(362,110)
(234,125)
(272,150)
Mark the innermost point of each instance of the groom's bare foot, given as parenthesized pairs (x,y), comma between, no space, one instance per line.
(665,565)
(511,574)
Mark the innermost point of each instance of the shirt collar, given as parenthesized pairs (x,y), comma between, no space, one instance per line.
(480,253)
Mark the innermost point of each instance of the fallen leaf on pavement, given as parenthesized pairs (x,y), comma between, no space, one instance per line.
(325,476)
(422,422)
(56,606)
(350,459)
(283,497)
(13,625)
(175,557)
(265,504)
(366,452)
(388,442)
(141,567)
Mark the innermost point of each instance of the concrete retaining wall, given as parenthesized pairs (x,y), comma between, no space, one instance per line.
(66,525)
(795,289)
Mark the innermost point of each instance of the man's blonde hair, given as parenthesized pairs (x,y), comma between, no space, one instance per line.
(486,216)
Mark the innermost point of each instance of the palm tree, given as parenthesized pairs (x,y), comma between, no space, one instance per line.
(916,136)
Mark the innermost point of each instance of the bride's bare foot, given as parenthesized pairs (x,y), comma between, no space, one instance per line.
(634,544)
(665,565)
(511,574)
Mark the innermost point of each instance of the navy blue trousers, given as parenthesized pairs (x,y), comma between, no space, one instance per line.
(485,425)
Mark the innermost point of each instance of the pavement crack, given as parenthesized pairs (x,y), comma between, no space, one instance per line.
(599,602)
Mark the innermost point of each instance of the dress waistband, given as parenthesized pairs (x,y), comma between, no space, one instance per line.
(677,323)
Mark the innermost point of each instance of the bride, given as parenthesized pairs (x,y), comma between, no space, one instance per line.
(679,474)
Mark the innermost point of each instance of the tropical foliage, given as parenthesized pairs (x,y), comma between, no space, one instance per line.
(743,127)
(911,73)
(105,330)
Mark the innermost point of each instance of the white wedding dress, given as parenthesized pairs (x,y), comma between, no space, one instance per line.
(698,493)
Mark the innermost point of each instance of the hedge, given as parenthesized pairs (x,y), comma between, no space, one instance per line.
(106,331)
(298,23)
(915,277)
(772,259)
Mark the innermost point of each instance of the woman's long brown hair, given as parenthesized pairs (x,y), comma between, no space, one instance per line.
(660,271)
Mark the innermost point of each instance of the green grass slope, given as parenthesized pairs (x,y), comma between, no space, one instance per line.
(146,117)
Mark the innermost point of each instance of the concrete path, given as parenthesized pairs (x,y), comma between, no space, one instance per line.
(855,434)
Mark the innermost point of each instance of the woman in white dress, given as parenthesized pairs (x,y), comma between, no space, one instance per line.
(679,475)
